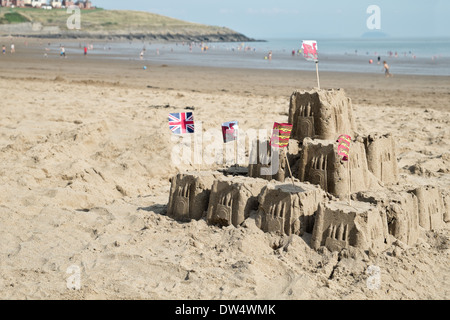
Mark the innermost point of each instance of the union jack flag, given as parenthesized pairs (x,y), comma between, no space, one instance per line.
(181,123)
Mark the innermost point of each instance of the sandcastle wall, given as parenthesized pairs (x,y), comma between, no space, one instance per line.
(288,209)
(322,114)
(382,157)
(402,213)
(360,225)
(446,201)
(189,195)
(233,199)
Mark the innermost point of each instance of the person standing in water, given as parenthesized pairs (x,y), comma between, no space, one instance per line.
(386,70)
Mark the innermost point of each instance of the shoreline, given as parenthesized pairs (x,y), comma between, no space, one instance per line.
(365,89)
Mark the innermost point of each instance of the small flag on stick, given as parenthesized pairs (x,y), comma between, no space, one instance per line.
(310,53)
(343,150)
(181,123)
(281,135)
(344,146)
(230,131)
(280,139)
(310,50)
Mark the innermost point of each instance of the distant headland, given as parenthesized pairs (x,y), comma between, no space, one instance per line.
(97,23)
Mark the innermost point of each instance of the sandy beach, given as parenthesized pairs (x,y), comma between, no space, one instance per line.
(84,183)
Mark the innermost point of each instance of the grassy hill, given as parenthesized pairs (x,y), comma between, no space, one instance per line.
(116,23)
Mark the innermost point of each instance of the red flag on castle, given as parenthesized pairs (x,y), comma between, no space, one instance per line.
(230,131)
(310,50)
(310,53)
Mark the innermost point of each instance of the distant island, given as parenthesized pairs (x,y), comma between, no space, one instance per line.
(98,23)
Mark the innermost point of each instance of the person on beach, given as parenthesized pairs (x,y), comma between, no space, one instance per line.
(13,48)
(85,51)
(63,52)
(4,49)
(386,70)
(379,60)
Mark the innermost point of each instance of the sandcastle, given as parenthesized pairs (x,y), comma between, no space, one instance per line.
(317,199)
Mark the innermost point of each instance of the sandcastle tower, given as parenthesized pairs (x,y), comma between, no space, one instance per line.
(189,195)
(233,199)
(288,209)
(382,157)
(322,114)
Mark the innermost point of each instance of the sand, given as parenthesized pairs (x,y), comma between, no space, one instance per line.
(84,184)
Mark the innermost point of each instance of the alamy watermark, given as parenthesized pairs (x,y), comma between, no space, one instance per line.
(374,21)
(374,280)
(208,148)
(74,280)
(74,21)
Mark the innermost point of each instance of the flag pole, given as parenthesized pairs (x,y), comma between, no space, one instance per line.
(235,154)
(349,183)
(289,167)
(317,71)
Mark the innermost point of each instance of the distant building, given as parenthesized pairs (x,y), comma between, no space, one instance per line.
(6,3)
(18,3)
(36,3)
(56,4)
(85,4)
(68,3)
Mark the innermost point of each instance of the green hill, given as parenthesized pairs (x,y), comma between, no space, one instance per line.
(99,23)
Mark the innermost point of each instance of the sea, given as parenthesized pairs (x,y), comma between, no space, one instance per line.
(430,56)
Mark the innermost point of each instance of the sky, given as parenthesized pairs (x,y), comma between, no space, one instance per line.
(262,19)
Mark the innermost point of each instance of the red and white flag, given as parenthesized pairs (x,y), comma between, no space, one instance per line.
(310,50)
(230,131)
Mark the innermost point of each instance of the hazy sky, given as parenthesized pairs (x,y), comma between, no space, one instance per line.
(299,18)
